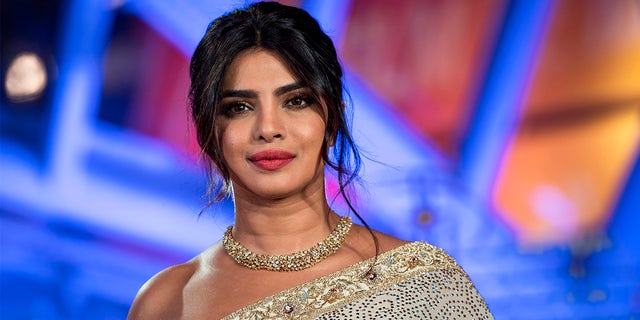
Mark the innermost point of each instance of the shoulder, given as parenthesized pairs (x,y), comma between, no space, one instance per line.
(434,255)
(419,266)
(362,244)
(417,257)
(447,281)
(388,242)
(426,259)
(422,249)
(391,245)
(161,296)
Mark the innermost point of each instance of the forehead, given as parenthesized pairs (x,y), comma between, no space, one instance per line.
(257,69)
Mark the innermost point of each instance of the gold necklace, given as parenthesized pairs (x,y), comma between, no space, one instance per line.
(292,262)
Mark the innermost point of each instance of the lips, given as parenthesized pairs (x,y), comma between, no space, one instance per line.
(271,159)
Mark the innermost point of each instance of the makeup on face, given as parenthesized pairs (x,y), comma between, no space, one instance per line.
(271,160)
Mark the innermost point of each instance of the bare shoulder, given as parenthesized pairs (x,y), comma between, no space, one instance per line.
(362,242)
(161,296)
(388,242)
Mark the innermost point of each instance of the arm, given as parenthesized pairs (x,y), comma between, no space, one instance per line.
(161,296)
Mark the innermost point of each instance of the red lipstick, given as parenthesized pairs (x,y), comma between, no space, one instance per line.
(271,159)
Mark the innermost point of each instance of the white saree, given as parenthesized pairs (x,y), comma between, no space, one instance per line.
(413,281)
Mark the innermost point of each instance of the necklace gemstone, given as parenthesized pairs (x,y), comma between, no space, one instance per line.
(293,262)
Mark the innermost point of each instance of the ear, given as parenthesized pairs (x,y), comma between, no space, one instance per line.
(330,138)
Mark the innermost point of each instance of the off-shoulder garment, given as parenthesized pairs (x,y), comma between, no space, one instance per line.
(414,281)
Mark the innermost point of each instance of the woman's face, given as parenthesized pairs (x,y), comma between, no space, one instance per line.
(272,129)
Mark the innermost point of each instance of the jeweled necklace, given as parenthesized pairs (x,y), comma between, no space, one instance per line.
(292,262)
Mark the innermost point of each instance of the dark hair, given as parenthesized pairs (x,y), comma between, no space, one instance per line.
(299,41)
(296,37)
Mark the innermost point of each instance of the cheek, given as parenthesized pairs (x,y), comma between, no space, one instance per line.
(228,142)
(314,132)
(229,145)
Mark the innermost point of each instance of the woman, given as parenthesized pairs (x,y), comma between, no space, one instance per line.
(266,99)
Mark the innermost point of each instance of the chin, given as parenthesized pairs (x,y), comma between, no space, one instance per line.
(272,193)
(280,187)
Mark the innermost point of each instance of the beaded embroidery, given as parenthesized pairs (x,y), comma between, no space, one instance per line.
(293,262)
(413,281)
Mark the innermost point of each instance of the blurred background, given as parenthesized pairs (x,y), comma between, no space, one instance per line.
(505,132)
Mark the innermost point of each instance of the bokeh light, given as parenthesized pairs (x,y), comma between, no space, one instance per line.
(26,77)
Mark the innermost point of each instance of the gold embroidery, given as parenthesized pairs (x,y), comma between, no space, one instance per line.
(288,308)
(350,284)
(331,296)
(414,262)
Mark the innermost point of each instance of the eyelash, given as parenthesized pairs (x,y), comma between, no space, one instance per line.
(304,99)
(231,109)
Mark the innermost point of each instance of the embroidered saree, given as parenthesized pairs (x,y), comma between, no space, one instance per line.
(413,281)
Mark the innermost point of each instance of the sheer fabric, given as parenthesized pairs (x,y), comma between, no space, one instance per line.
(414,281)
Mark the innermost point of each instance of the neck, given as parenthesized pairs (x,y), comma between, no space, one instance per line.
(282,226)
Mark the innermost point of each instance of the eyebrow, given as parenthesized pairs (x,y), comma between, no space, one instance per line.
(250,94)
(288,88)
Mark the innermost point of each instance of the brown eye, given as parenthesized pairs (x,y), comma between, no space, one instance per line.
(233,109)
(299,102)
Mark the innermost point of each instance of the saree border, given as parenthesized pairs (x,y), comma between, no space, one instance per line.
(342,287)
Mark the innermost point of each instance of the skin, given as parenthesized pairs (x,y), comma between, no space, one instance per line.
(276,212)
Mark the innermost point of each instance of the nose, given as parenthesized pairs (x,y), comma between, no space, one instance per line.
(269,125)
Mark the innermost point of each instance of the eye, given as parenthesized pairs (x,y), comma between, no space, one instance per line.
(235,108)
(299,102)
